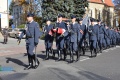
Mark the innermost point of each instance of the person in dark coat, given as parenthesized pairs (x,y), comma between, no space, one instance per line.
(60,29)
(67,37)
(82,36)
(32,33)
(102,33)
(93,31)
(108,36)
(48,37)
(74,38)
(5,35)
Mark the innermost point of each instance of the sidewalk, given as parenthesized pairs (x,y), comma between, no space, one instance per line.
(13,48)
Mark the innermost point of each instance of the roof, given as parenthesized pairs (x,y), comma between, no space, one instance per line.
(106,2)
(109,3)
(96,1)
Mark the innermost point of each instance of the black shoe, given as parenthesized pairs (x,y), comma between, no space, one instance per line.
(47,58)
(47,54)
(91,53)
(59,56)
(36,65)
(71,60)
(64,58)
(78,56)
(95,53)
(53,54)
(65,51)
(59,59)
(71,57)
(29,67)
(100,51)
(83,53)
(77,59)
(36,61)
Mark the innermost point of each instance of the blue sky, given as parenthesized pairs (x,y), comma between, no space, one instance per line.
(9,2)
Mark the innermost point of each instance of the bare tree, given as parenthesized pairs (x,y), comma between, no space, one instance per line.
(33,6)
(117,9)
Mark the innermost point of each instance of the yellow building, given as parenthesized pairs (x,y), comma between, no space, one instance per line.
(102,9)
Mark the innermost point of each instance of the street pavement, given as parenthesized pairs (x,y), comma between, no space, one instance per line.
(106,66)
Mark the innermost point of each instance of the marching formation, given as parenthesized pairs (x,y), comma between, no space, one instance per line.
(72,38)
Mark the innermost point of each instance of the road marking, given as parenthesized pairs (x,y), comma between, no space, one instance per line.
(88,58)
(85,59)
(100,53)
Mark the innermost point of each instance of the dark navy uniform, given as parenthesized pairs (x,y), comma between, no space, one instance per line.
(111,37)
(67,37)
(60,39)
(108,37)
(74,38)
(93,37)
(48,39)
(32,39)
(82,36)
(119,38)
(102,33)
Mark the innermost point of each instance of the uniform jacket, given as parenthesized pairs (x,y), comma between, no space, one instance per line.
(93,32)
(74,33)
(32,32)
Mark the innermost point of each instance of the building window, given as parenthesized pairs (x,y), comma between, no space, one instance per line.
(96,13)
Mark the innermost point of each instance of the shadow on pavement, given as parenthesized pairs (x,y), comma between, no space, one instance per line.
(16,61)
(92,76)
(15,76)
(2,42)
(42,56)
(25,54)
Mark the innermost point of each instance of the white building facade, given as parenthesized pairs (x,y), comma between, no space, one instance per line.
(4,17)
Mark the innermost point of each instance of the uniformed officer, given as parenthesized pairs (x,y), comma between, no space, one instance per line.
(82,35)
(116,36)
(67,37)
(74,33)
(60,38)
(5,35)
(111,33)
(32,39)
(108,36)
(94,37)
(113,38)
(48,37)
(118,40)
(102,33)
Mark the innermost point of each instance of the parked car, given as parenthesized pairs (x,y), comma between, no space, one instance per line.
(16,33)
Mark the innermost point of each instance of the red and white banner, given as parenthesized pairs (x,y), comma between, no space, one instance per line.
(81,31)
(60,31)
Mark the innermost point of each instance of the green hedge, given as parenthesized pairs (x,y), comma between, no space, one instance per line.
(21,26)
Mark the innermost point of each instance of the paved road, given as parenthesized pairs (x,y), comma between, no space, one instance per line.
(104,67)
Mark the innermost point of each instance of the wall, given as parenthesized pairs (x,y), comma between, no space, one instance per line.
(95,8)
(3,12)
